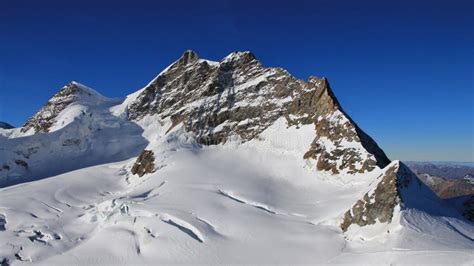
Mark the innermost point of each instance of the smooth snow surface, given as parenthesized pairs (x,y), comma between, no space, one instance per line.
(257,202)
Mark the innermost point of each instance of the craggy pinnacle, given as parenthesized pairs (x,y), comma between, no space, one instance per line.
(239,97)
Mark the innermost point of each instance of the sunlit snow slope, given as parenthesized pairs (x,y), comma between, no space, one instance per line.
(295,182)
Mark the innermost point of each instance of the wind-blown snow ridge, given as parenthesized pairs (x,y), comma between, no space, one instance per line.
(253,204)
(183,226)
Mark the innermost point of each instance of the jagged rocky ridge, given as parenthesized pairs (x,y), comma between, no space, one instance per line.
(238,97)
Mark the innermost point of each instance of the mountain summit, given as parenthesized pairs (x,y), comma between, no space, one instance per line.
(219,163)
(70,94)
(238,97)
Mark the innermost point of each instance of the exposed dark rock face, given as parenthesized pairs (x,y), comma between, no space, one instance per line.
(337,127)
(378,204)
(239,97)
(145,164)
(396,186)
(45,117)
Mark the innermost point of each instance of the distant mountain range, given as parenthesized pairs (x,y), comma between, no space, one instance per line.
(451,170)
(453,181)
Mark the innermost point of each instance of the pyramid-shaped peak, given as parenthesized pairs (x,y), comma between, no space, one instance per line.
(188,57)
(244,57)
(77,89)
(73,92)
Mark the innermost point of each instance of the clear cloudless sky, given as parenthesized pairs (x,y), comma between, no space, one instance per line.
(402,69)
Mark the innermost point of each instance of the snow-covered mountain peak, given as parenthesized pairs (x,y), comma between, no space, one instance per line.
(77,88)
(239,97)
(189,57)
(260,156)
(73,93)
(242,57)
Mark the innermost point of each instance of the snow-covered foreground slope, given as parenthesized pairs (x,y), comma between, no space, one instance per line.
(223,204)
(217,163)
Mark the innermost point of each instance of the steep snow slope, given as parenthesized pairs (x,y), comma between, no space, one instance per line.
(240,164)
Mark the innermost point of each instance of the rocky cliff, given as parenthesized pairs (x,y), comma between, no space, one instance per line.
(397,186)
(239,97)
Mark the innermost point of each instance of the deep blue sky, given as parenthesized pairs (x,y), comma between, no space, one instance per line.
(402,69)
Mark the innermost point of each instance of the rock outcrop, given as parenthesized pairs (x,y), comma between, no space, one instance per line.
(145,164)
(397,185)
(377,204)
